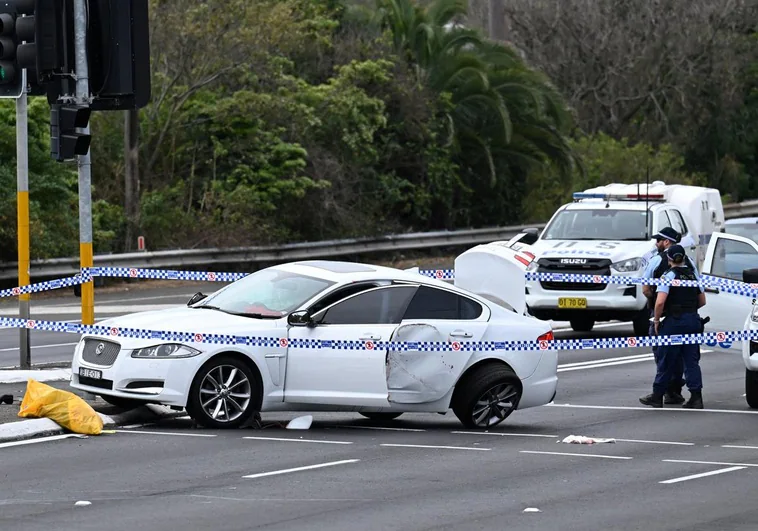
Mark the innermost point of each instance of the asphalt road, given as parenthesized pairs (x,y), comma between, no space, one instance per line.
(667,469)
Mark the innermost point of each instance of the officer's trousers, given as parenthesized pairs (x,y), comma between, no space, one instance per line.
(670,356)
(676,382)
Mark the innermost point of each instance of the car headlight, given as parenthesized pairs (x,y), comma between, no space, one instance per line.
(626,266)
(754,315)
(167,350)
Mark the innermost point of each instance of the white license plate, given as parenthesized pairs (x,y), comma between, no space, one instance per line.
(90,373)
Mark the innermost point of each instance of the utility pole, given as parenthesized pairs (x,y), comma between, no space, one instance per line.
(498,23)
(22,180)
(86,252)
(131,182)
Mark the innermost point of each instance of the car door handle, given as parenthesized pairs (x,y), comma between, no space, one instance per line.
(459,333)
(712,290)
(370,337)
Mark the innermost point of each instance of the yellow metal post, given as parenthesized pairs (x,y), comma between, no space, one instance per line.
(88,288)
(22,208)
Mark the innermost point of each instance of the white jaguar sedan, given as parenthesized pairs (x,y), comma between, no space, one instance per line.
(299,310)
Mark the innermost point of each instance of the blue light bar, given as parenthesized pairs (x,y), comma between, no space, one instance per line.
(585,195)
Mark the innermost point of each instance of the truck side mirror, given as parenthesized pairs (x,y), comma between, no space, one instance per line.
(750,276)
(530,236)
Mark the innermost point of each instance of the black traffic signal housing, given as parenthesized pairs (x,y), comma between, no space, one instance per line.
(11,75)
(65,141)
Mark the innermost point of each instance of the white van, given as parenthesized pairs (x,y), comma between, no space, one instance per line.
(610,230)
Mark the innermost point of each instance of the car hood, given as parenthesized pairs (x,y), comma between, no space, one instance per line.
(192,320)
(615,251)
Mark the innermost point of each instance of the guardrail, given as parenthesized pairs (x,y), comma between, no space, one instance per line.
(58,267)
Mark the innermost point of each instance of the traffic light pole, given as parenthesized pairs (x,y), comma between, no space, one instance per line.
(22,178)
(84,163)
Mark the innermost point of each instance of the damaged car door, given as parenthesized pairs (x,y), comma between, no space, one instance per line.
(354,373)
(438,315)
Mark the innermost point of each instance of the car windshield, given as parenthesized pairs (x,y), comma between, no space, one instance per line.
(600,224)
(267,293)
(746,230)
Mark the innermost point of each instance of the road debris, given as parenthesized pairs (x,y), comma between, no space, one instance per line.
(581,439)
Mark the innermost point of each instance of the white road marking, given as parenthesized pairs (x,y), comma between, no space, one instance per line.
(300,469)
(40,440)
(319,500)
(505,434)
(642,408)
(437,447)
(704,474)
(601,365)
(574,455)
(378,428)
(657,442)
(604,360)
(740,447)
(296,440)
(708,463)
(167,433)
(39,346)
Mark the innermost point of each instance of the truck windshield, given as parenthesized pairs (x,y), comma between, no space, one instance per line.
(601,224)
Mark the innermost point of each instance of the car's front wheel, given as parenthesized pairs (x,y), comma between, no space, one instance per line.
(223,393)
(487,397)
(751,388)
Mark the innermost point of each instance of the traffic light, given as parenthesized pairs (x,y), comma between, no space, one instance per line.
(11,76)
(65,142)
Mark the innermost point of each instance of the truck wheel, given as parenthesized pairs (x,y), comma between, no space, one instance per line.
(642,325)
(582,325)
(751,388)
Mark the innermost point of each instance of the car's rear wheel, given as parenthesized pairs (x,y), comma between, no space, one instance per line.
(751,388)
(582,325)
(223,393)
(381,416)
(487,396)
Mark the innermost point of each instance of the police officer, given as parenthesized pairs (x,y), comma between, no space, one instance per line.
(656,267)
(676,313)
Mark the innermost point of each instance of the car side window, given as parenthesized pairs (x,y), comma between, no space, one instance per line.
(378,306)
(677,223)
(342,293)
(662,220)
(432,303)
(731,258)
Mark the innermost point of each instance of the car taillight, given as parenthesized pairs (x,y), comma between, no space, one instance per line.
(546,337)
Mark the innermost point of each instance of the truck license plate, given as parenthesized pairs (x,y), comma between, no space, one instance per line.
(90,373)
(572,302)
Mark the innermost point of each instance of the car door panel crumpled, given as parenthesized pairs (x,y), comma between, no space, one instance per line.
(419,377)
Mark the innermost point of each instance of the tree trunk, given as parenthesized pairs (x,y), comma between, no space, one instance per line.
(131,188)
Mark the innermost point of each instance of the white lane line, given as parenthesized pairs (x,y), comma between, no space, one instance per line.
(167,433)
(39,346)
(601,365)
(377,428)
(40,440)
(604,360)
(296,440)
(575,455)
(318,500)
(663,409)
(656,442)
(708,463)
(704,474)
(437,447)
(300,469)
(739,447)
(505,434)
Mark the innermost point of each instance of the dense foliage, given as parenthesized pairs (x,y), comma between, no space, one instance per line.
(307,120)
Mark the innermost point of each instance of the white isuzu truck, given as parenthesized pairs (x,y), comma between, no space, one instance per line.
(610,230)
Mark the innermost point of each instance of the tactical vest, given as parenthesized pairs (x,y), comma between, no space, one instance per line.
(682,299)
(662,268)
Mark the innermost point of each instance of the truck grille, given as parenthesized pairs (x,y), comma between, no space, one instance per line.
(104,355)
(592,266)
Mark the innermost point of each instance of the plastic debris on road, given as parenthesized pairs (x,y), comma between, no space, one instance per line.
(581,439)
(82,503)
(65,408)
(531,510)
(300,423)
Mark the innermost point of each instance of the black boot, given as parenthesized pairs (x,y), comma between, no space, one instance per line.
(674,394)
(653,400)
(695,401)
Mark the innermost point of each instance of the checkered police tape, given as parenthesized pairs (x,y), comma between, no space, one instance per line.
(164,274)
(710,338)
(47,285)
(727,285)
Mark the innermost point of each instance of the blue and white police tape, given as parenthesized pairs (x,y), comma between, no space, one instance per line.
(164,274)
(710,338)
(47,285)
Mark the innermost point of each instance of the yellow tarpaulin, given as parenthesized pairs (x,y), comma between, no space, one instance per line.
(64,407)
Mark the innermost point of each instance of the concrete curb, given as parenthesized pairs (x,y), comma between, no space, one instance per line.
(33,428)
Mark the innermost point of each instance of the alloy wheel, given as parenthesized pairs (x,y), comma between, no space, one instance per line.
(225,393)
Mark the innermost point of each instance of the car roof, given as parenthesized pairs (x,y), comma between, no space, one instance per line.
(633,206)
(341,271)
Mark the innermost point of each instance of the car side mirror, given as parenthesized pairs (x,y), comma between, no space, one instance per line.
(530,236)
(750,276)
(301,318)
(197,297)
